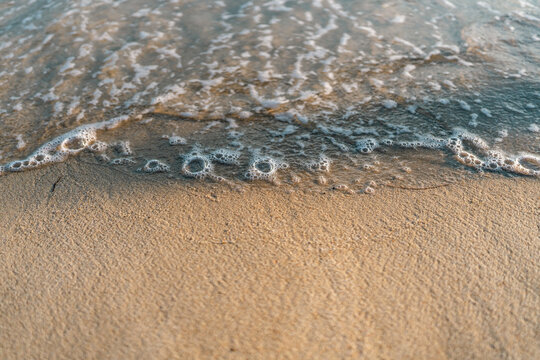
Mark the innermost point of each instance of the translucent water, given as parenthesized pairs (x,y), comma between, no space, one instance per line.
(335,92)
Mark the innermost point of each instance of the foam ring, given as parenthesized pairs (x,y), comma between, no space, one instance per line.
(155,166)
(263,168)
(16,166)
(204,166)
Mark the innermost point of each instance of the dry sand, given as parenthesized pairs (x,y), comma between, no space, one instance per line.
(111,266)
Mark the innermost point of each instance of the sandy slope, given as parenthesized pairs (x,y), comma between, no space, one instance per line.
(114,266)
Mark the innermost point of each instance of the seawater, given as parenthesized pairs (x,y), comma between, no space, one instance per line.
(342,93)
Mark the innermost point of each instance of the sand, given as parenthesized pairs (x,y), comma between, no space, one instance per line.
(116,266)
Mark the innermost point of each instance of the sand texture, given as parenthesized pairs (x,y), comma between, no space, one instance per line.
(97,264)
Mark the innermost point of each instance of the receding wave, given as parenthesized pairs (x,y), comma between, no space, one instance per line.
(353,93)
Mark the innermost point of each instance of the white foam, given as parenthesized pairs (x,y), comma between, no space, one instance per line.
(175,140)
(123,148)
(486,112)
(64,146)
(98,146)
(267,103)
(366,145)
(21,144)
(155,166)
(226,156)
(197,165)
(398,19)
(264,168)
(122,161)
(464,105)
(389,104)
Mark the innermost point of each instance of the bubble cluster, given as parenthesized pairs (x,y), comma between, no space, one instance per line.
(175,140)
(197,165)
(68,144)
(489,159)
(57,150)
(155,166)
(264,168)
(366,145)
(226,156)
(523,164)
(122,161)
(98,147)
(123,148)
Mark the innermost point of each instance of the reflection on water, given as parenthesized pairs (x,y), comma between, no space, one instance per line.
(368,89)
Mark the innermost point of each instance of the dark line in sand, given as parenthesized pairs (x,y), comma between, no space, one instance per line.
(55,183)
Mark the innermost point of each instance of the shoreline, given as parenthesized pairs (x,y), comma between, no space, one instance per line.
(101,264)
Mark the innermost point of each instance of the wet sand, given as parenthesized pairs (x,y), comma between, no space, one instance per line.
(97,264)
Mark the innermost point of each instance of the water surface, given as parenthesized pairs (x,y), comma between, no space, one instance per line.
(343,93)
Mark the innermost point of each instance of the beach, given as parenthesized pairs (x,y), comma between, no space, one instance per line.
(102,264)
(269,179)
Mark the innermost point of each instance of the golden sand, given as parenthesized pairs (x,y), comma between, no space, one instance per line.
(113,266)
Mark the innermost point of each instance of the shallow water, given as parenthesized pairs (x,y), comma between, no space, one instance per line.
(342,93)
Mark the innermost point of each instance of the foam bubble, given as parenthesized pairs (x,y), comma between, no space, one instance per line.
(398,19)
(486,112)
(226,156)
(444,101)
(524,165)
(493,160)
(534,128)
(155,166)
(473,121)
(469,159)
(56,150)
(98,147)
(122,161)
(387,142)
(123,148)
(366,145)
(60,148)
(389,104)
(175,140)
(196,165)
(245,115)
(264,168)
(21,144)
(464,105)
